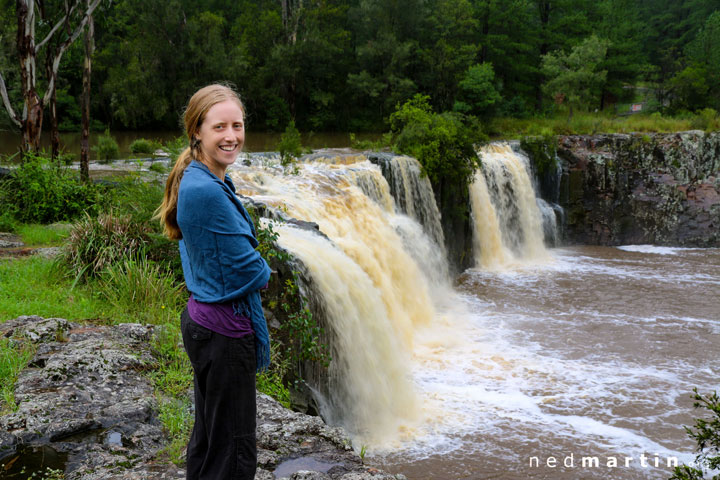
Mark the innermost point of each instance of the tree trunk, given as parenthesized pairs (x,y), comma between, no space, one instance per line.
(87,69)
(33,113)
(54,134)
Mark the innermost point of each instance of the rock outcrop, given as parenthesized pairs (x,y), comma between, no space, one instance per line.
(85,407)
(662,189)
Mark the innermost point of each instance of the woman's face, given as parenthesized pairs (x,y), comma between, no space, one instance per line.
(221,135)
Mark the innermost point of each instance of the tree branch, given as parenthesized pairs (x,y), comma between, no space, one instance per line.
(6,101)
(64,46)
(56,28)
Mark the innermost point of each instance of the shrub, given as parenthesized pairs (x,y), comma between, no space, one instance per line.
(707,435)
(143,145)
(106,147)
(138,198)
(95,243)
(157,168)
(443,143)
(8,222)
(290,146)
(41,192)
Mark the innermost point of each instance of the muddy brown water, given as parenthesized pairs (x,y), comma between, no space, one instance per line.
(582,367)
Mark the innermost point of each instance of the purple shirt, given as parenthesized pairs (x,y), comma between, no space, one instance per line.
(220,318)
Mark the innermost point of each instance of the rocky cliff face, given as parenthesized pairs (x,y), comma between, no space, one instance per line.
(641,188)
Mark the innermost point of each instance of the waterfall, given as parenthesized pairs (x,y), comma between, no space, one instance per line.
(507,221)
(412,192)
(375,270)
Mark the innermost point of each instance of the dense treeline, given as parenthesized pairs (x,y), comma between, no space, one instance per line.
(346,64)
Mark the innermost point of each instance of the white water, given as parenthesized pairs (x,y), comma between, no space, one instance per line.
(536,354)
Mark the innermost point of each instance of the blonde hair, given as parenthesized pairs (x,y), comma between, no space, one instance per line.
(193,117)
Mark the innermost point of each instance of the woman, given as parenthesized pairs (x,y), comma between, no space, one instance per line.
(223,327)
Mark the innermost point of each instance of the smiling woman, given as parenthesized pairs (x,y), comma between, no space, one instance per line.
(221,136)
(223,327)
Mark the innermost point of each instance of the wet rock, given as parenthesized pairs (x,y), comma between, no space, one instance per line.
(83,398)
(83,382)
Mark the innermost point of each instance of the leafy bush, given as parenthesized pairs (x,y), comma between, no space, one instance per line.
(707,435)
(132,195)
(8,222)
(143,145)
(706,119)
(157,168)
(41,192)
(290,146)
(106,147)
(443,143)
(95,243)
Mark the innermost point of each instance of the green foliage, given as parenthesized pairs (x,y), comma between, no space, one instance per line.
(143,145)
(44,235)
(575,78)
(384,142)
(14,356)
(33,285)
(7,220)
(141,288)
(96,243)
(478,95)
(174,148)
(106,147)
(137,197)
(272,381)
(589,123)
(443,143)
(41,192)
(157,168)
(290,146)
(706,434)
(542,150)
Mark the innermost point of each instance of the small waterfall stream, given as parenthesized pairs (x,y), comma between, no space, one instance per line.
(507,220)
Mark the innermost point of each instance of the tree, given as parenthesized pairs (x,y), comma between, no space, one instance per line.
(31,118)
(478,95)
(576,78)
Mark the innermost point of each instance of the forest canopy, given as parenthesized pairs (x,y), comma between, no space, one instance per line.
(346,65)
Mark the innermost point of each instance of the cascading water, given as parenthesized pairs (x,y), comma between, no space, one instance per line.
(376,291)
(508,225)
(553,360)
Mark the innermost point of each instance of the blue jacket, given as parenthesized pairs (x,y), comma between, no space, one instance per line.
(217,250)
(218,255)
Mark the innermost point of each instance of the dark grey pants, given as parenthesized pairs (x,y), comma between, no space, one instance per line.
(222,444)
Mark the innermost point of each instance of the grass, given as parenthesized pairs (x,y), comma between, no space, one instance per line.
(592,123)
(14,355)
(35,235)
(34,286)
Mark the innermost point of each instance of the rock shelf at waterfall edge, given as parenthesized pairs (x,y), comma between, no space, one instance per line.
(84,401)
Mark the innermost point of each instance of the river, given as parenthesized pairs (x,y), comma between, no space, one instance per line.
(535,364)
(254,142)
(592,354)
